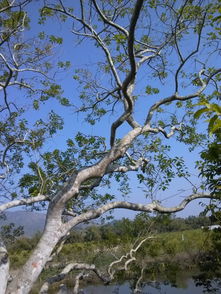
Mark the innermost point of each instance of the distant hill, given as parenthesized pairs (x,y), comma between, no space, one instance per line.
(32,222)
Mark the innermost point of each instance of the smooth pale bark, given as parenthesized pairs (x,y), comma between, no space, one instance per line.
(30,272)
(4,268)
(23,201)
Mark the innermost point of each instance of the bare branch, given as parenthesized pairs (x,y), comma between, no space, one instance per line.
(23,201)
(108,21)
(70,267)
(127,85)
(163,131)
(151,207)
(137,289)
(146,58)
(184,60)
(128,256)
(176,97)
(79,277)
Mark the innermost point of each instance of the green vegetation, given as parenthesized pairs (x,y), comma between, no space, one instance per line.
(173,237)
(165,257)
(178,245)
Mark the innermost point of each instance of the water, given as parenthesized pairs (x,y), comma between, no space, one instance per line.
(187,288)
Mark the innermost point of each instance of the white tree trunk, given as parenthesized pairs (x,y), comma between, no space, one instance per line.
(4,268)
(23,283)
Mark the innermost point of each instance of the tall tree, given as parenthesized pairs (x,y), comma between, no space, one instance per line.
(153,60)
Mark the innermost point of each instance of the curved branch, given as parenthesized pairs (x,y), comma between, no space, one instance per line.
(163,131)
(176,25)
(93,34)
(151,207)
(69,268)
(128,256)
(108,21)
(127,85)
(176,97)
(184,60)
(23,201)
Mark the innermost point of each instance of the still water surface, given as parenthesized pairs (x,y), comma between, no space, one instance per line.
(188,288)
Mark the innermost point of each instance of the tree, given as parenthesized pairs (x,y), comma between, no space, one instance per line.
(143,52)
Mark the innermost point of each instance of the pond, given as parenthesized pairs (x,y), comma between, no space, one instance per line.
(185,286)
(180,282)
(188,287)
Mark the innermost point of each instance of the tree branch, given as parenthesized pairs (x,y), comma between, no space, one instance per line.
(123,169)
(23,201)
(151,207)
(108,21)
(184,60)
(68,268)
(137,289)
(128,256)
(127,85)
(176,97)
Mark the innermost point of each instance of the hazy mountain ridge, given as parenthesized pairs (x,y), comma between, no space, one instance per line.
(32,222)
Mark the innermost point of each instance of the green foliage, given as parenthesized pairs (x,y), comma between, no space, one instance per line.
(10,234)
(162,168)
(57,167)
(55,39)
(20,250)
(212,110)
(150,90)
(209,263)
(210,165)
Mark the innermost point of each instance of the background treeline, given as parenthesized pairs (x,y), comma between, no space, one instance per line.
(126,229)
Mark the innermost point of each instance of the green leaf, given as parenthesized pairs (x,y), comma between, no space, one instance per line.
(64,101)
(199,112)
(216,108)
(218,18)
(211,124)
(150,90)
(57,40)
(216,126)
(36,104)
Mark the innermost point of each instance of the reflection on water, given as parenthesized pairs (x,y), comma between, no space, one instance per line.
(159,288)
